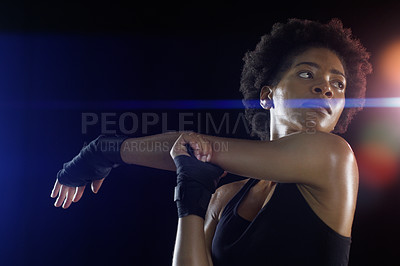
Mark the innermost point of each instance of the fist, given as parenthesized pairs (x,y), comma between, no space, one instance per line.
(202,148)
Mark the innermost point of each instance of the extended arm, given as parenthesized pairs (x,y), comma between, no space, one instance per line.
(93,165)
(295,158)
(298,158)
(152,151)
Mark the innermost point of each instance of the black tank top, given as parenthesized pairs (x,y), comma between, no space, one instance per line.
(286,231)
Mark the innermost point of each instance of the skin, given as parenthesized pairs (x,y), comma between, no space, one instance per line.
(321,164)
(159,159)
(315,74)
(332,194)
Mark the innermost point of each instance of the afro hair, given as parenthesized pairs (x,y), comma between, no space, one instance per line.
(275,52)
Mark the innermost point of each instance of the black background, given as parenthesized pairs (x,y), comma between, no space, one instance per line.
(58,53)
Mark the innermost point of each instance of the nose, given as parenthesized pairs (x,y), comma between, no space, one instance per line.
(325,90)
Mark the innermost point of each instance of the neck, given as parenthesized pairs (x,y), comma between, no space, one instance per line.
(280,129)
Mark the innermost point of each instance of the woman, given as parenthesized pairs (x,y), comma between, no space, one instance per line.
(297,206)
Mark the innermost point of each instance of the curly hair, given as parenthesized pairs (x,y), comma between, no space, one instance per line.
(275,52)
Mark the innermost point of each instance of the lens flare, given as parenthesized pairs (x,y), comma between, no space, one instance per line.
(377,164)
(377,155)
(388,66)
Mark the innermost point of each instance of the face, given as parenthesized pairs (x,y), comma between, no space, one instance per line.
(310,95)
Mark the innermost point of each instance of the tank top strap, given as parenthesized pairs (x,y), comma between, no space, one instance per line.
(237,199)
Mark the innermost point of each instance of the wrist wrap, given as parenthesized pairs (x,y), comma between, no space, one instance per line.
(95,161)
(196,182)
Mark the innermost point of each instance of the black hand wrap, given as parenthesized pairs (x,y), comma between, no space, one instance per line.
(95,161)
(196,183)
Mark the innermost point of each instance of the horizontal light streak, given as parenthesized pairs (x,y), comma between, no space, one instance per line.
(393,102)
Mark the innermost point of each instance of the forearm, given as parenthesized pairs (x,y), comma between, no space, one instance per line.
(190,247)
(152,151)
(229,153)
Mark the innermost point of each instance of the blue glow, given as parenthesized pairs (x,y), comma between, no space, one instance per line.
(189,104)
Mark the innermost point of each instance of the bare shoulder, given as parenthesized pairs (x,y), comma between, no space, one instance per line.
(337,162)
(318,138)
(332,194)
(322,146)
(339,149)
(320,158)
(334,140)
(222,196)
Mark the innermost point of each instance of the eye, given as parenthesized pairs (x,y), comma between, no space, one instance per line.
(338,84)
(306,75)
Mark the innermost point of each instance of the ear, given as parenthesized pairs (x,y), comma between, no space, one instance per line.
(266,101)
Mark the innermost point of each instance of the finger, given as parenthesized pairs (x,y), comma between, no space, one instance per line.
(55,190)
(198,145)
(96,184)
(78,193)
(68,197)
(224,174)
(179,147)
(206,148)
(196,149)
(194,142)
(61,196)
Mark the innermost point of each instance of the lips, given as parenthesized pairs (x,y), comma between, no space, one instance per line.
(318,103)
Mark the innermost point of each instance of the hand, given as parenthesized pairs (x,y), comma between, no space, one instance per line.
(93,163)
(67,195)
(202,147)
(197,179)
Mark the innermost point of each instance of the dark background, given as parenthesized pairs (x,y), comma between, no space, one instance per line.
(59,60)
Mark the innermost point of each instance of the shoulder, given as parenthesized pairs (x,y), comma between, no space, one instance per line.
(336,149)
(317,138)
(222,196)
(334,157)
(319,145)
(333,140)
(321,157)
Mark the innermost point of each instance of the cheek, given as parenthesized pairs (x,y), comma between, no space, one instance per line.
(292,89)
(285,102)
(278,93)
